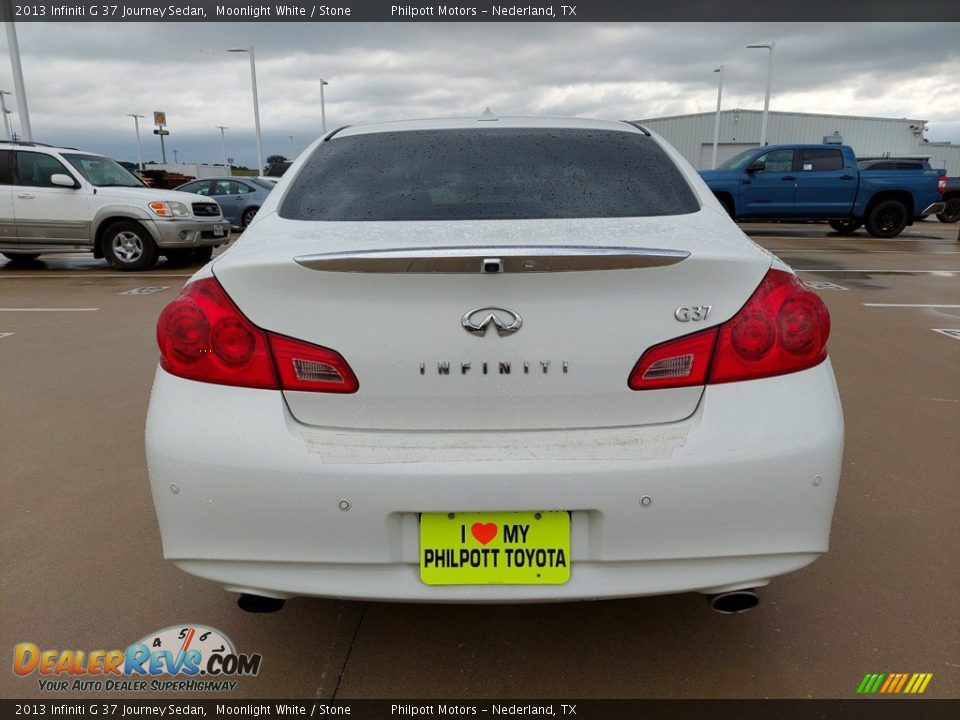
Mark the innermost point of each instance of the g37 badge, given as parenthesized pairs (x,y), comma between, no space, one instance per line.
(694,313)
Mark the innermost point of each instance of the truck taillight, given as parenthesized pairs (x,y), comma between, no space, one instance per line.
(203,336)
(942,183)
(782,328)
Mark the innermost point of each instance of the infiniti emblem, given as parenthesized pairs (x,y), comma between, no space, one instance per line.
(478,320)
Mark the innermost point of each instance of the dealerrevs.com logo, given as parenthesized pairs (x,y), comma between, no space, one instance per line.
(198,657)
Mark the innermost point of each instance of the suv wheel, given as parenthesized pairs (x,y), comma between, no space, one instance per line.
(887,219)
(127,246)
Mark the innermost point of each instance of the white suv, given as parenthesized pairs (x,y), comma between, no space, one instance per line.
(59,199)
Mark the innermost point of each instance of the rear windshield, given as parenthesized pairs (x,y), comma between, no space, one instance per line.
(488,174)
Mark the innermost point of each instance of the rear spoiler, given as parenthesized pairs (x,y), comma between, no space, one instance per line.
(502,259)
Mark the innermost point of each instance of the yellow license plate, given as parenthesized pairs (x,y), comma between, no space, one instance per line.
(495,548)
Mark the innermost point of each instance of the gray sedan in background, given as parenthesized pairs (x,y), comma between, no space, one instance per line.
(238,198)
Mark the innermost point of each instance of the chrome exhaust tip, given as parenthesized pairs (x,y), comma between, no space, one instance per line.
(734,602)
(259,603)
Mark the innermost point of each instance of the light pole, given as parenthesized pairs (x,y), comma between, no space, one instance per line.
(223,146)
(716,121)
(5,112)
(323,108)
(14,48)
(256,103)
(136,124)
(766,102)
(175,153)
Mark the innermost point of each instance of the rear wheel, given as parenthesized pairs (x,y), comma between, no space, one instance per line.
(21,258)
(248,215)
(887,219)
(951,213)
(846,227)
(128,246)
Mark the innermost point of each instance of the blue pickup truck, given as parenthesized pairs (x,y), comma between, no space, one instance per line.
(823,182)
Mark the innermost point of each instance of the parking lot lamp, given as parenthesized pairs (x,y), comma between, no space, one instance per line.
(256,103)
(766,102)
(223,147)
(323,109)
(14,48)
(136,125)
(5,112)
(716,120)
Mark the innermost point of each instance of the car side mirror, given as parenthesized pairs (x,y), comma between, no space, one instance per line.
(756,167)
(62,180)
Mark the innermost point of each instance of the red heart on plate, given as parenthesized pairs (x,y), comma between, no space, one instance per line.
(484,533)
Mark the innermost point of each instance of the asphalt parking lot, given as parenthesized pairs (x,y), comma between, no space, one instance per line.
(82,564)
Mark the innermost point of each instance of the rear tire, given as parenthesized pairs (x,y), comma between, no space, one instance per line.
(21,258)
(846,227)
(887,219)
(128,247)
(248,215)
(951,213)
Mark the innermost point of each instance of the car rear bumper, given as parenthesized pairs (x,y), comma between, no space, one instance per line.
(740,492)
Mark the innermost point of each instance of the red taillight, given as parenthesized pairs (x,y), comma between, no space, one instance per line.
(203,336)
(942,183)
(680,362)
(782,328)
(309,367)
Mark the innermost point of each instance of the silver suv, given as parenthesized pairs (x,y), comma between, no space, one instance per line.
(60,199)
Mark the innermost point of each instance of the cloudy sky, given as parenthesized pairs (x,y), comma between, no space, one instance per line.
(82,79)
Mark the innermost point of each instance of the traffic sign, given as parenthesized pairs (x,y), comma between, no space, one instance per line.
(158,131)
(159,118)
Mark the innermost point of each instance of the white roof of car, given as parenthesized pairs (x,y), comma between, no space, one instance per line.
(488,121)
(7,145)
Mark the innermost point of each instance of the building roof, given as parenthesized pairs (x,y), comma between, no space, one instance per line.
(778,112)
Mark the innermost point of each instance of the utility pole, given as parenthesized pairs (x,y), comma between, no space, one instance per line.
(18,86)
(136,124)
(223,146)
(5,112)
(716,120)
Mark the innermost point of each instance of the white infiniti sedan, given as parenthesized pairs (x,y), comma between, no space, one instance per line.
(494,360)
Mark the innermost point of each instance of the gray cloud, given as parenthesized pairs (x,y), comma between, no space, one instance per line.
(82,78)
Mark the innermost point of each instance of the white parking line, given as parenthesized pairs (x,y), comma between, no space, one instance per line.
(48,309)
(949,332)
(3,335)
(910,305)
(823,285)
(146,290)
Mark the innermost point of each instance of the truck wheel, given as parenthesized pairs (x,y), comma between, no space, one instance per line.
(846,227)
(951,213)
(887,219)
(21,258)
(128,247)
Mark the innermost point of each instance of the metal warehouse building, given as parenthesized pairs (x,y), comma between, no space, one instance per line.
(692,135)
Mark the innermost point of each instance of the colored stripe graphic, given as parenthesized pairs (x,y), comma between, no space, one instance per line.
(894,683)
